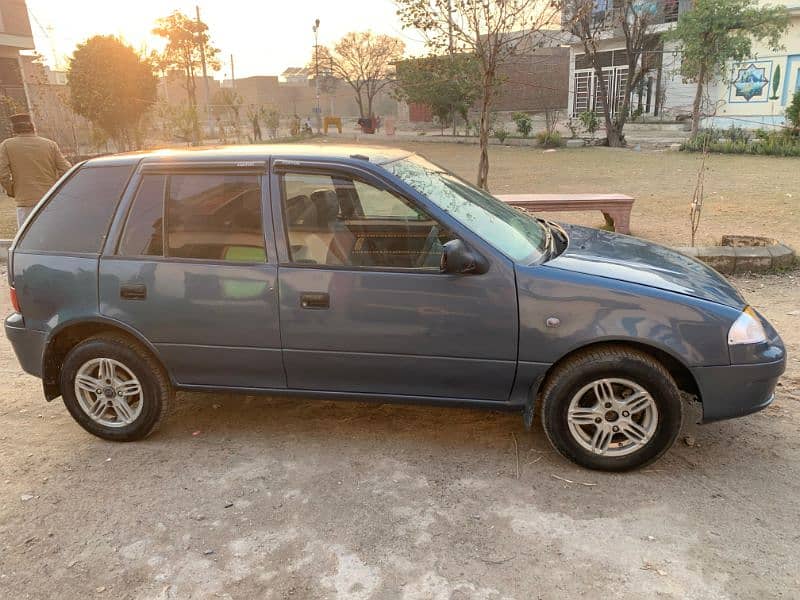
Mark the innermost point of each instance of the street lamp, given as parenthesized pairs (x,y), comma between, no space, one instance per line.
(315,29)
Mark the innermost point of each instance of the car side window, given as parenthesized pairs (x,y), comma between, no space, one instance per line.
(76,218)
(341,221)
(144,229)
(215,217)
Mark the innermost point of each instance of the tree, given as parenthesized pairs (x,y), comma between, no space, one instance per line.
(793,113)
(187,41)
(450,85)
(491,30)
(272,120)
(111,86)
(227,104)
(716,32)
(365,62)
(635,21)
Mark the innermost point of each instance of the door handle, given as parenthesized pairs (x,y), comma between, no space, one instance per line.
(133,291)
(312,300)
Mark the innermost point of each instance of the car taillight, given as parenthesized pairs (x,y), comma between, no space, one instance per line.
(15,300)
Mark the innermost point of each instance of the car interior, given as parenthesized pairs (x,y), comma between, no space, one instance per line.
(220,226)
(334,225)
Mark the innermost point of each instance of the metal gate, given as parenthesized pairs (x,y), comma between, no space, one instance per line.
(587,94)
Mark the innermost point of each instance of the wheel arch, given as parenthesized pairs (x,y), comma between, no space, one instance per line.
(678,369)
(69,334)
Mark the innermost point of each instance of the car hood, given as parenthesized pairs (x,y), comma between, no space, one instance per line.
(625,258)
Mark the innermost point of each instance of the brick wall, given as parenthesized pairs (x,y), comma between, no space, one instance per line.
(534,82)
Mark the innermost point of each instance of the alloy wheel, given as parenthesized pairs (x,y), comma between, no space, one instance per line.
(108,392)
(612,417)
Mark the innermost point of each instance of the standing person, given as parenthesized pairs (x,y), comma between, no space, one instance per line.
(29,165)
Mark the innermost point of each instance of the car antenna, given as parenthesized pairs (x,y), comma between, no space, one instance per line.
(360,157)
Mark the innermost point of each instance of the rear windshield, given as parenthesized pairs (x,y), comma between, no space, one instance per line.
(76,218)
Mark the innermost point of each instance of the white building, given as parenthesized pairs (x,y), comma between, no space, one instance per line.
(757,90)
(662,93)
(750,94)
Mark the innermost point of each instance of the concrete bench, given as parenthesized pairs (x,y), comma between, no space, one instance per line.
(616,208)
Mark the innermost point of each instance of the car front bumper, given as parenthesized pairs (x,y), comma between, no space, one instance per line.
(28,344)
(737,390)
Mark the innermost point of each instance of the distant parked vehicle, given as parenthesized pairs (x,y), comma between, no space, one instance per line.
(367,273)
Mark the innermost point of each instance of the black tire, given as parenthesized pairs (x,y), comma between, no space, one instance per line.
(610,362)
(155,385)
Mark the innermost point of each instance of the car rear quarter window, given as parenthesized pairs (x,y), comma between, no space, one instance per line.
(76,218)
(144,230)
(215,217)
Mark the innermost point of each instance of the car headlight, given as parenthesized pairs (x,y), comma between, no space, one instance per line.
(747,329)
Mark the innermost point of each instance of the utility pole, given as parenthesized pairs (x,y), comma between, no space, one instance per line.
(315,29)
(205,71)
(233,74)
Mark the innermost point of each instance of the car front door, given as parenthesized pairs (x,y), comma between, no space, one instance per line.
(364,307)
(191,270)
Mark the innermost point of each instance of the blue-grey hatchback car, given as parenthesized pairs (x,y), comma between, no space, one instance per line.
(368,273)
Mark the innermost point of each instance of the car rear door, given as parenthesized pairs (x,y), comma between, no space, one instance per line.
(364,307)
(191,269)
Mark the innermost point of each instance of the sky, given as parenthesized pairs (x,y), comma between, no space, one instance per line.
(264,36)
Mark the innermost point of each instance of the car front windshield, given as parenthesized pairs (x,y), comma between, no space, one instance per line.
(516,234)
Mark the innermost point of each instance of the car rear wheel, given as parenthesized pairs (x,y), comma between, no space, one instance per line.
(114,388)
(611,408)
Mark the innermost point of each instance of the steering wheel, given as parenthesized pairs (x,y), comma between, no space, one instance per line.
(430,241)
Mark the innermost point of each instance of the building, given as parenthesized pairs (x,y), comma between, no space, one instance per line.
(663,93)
(15,35)
(757,90)
(295,76)
(294,92)
(534,80)
(172,88)
(260,90)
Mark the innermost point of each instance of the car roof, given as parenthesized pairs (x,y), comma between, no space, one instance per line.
(256,152)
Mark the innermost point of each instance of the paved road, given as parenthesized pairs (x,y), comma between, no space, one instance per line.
(243,497)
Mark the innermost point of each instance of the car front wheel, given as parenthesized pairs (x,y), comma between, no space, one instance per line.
(611,408)
(114,388)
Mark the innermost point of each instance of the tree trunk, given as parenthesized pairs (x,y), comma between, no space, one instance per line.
(483,140)
(191,90)
(614,136)
(359,102)
(698,101)
(483,133)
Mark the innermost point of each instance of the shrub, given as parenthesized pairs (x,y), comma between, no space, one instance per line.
(572,125)
(589,121)
(549,140)
(523,122)
(793,113)
(501,134)
(773,144)
(761,133)
(737,134)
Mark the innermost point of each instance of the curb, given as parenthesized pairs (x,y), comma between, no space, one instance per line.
(729,260)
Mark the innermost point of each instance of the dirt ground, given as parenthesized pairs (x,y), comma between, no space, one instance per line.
(246,497)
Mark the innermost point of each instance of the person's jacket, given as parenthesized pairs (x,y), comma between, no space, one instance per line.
(29,166)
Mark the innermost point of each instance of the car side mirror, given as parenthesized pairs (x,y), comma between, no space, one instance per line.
(457,258)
